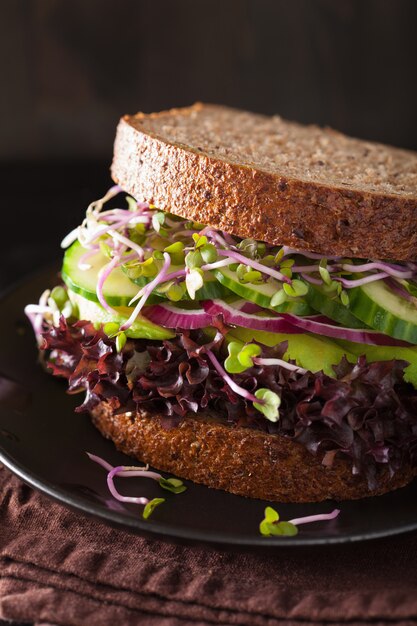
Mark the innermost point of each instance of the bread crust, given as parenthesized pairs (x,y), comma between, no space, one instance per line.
(240,460)
(251,202)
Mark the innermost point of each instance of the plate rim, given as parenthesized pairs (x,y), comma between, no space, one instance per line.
(160,530)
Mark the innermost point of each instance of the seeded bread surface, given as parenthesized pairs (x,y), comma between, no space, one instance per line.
(240,460)
(263,177)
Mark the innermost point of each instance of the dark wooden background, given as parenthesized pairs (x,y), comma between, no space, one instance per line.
(70,68)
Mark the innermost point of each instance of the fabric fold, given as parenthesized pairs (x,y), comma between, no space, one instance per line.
(57,566)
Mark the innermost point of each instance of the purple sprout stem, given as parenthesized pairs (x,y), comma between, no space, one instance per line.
(129,471)
(398,289)
(84,257)
(127,242)
(384,267)
(213,234)
(228,238)
(107,230)
(174,275)
(308,255)
(110,483)
(349,284)
(311,279)
(234,386)
(312,268)
(146,292)
(100,461)
(281,362)
(257,266)
(207,267)
(103,274)
(315,518)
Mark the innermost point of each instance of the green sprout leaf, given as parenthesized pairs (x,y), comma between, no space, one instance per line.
(132,269)
(131,203)
(278,298)
(194,259)
(199,240)
(344,298)
(288,529)
(176,252)
(137,234)
(324,272)
(59,296)
(209,253)
(158,219)
(156,242)
(111,329)
(279,255)
(105,249)
(120,341)
(270,526)
(242,270)
(151,506)
(175,485)
(194,282)
(253,276)
(248,247)
(261,249)
(149,267)
(287,263)
(270,402)
(232,364)
(271,516)
(176,291)
(297,288)
(286,271)
(268,260)
(158,255)
(245,356)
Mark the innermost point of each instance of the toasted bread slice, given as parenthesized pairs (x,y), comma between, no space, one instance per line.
(240,460)
(265,178)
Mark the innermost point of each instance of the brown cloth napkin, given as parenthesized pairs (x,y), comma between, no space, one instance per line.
(57,567)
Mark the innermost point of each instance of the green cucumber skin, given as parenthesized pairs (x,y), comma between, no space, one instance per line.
(141,328)
(365,303)
(82,283)
(92,296)
(321,302)
(291,306)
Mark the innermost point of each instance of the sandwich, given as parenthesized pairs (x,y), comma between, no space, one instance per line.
(240,308)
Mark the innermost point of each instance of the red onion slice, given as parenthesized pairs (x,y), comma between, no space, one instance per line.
(288,323)
(173,317)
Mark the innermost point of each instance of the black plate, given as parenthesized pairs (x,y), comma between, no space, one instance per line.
(43,441)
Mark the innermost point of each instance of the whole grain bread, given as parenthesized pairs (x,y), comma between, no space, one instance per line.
(240,460)
(254,176)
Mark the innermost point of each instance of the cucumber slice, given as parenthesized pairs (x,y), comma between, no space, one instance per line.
(308,351)
(326,303)
(141,328)
(381,309)
(261,294)
(118,290)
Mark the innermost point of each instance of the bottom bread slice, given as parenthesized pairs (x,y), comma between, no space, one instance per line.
(240,460)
